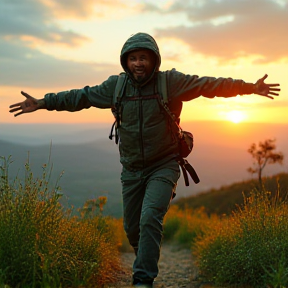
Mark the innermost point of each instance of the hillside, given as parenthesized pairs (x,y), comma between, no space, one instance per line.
(90,161)
(89,170)
(224,200)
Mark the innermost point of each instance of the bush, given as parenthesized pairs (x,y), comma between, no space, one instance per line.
(184,226)
(250,247)
(172,222)
(42,245)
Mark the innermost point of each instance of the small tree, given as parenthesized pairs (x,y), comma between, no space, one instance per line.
(262,155)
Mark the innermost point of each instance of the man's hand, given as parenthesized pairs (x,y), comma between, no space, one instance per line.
(29,105)
(266,90)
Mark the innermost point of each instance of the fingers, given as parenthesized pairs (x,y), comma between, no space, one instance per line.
(270,97)
(273,90)
(25,94)
(17,114)
(272,93)
(16,104)
(15,109)
(264,77)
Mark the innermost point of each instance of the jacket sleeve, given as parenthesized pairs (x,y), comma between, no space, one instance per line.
(100,96)
(188,87)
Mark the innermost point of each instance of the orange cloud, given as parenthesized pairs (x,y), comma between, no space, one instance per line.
(34,22)
(240,32)
(25,66)
(87,8)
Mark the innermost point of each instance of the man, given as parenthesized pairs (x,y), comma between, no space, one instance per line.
(147,146)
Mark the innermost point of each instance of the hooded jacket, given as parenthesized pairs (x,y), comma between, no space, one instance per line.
(145,133)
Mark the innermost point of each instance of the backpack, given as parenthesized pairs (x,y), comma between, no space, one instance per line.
(185,138)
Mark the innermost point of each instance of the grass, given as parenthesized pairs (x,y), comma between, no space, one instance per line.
(43,245)
(183,227)
(248,248)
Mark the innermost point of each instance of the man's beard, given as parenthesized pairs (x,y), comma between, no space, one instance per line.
(140,78)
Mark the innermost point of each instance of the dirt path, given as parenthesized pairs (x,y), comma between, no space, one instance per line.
(176,270)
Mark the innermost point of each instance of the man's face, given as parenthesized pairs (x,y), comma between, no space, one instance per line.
(141,63)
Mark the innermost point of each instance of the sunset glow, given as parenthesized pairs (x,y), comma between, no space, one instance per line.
(59,47)
(235,116)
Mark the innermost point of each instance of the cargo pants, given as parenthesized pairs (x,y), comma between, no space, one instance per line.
(146,199)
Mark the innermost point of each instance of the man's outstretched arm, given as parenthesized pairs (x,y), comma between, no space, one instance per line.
(30,104)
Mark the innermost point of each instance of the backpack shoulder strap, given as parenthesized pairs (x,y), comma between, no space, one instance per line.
(183,163)
(120,85)
(162,86)
(118,93)
(163,92)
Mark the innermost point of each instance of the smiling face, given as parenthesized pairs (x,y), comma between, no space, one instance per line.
(141,64)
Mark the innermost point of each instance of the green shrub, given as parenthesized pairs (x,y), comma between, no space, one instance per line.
(171,226)
(42,245)
(247,247)
(184,226)
(186,234)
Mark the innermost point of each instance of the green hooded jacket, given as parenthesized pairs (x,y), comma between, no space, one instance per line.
(145,133)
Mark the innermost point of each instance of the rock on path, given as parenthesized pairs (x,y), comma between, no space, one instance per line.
(176,270)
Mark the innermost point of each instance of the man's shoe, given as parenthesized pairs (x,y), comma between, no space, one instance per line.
(139,283)
(143,285)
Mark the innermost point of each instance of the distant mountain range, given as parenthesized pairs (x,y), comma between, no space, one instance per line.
(90,161)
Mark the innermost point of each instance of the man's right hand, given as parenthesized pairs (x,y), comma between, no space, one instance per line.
(31,104)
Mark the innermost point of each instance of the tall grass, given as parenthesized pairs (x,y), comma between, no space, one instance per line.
(43,245)
(249,248)
(182,227)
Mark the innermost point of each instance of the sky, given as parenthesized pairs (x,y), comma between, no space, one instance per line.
(52,46)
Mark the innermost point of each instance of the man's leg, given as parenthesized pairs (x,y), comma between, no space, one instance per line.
(133,189)
(160,185)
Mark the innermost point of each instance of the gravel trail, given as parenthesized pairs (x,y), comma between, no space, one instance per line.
(176,270)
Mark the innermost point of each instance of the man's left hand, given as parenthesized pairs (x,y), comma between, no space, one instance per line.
(267,90)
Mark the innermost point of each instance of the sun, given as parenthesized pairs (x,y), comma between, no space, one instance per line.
(235,116)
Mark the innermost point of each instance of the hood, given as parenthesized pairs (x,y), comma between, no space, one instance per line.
(140,41)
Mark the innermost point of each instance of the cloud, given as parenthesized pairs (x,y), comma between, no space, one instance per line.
(231,29)
(82,9)
(30,21)
(39,21)
(25,25)
(25,67)
(71,8)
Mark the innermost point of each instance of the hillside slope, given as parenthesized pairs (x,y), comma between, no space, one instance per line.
(224,200)
(90,161)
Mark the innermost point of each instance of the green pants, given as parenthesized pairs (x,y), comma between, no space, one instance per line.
(146,199)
